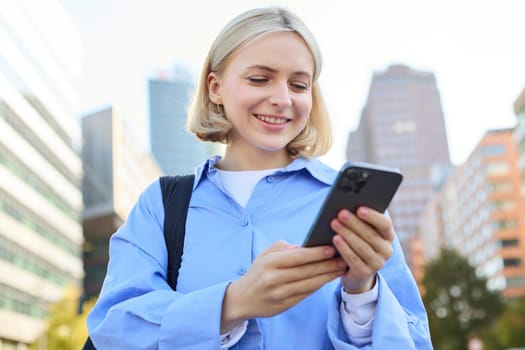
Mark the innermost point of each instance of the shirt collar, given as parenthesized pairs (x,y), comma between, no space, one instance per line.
(314,167)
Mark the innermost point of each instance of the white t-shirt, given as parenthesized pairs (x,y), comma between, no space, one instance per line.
(240,184)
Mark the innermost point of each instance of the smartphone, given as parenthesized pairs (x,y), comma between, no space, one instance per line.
(357,184)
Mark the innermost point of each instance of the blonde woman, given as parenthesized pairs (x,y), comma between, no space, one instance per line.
(245,282)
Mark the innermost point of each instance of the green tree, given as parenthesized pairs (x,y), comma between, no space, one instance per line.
(509,330)
(67,328)
(458,302)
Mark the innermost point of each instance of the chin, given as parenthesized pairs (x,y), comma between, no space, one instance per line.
(273,148)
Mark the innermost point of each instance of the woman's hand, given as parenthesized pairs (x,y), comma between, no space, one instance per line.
(365,243)
(279,278)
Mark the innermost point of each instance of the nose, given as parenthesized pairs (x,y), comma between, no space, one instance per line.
(280,95)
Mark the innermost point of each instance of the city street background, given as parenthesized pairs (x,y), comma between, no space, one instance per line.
(473,47)
(93,98)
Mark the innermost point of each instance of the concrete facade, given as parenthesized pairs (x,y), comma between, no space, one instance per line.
(480,212)
(40,168)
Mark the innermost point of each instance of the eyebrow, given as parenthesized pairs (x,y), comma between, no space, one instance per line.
(271,70)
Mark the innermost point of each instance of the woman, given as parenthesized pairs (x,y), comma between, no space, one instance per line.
(244,281)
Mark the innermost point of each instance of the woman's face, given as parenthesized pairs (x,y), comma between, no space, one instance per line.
(266,92)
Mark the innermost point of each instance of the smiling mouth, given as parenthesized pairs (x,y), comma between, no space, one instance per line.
(272,119)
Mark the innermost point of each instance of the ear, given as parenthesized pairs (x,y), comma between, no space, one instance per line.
(214,88)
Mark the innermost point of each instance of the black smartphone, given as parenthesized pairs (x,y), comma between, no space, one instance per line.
(357,184)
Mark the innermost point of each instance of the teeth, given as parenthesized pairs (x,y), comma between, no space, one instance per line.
(271,120)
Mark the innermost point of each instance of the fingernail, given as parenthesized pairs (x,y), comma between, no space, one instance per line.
(345,214)
(329,251)
(363,211)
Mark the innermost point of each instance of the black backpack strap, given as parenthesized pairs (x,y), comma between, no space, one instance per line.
(176,193)
(88,345)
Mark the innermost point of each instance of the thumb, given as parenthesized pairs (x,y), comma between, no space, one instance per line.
(278,246)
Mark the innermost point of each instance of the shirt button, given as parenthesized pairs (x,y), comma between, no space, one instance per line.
(241,270)
(269,179)
(244,222)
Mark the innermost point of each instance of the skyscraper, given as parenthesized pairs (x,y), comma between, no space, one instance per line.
(176,150)
(116,171)
(402,126)
(40,168)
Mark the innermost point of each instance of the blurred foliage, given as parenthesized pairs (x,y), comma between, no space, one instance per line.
(67,328)
(509,330)
(458,303)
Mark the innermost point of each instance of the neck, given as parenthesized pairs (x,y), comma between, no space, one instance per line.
(237,160)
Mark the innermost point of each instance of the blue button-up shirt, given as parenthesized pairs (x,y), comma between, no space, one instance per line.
(138,310)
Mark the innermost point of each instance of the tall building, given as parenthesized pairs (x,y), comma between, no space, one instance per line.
(176,150)
(40,167)
(480,212)
(116,171)
(402,126)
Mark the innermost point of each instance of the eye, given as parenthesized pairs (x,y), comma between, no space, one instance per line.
(298,85)
(257,79)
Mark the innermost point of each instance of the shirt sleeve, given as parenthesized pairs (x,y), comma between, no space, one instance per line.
(357,313)
(400,320)
(135,294)
(232,337)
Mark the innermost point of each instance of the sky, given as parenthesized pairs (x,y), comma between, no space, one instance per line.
(474,48)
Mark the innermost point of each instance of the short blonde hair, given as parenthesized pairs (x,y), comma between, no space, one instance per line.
(206,119)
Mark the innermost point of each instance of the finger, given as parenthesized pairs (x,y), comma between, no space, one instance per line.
(373,253)
(366,230)
(382,226)
(305,287)
(353,245)
(350,227)
(366,243)
(357,265)
(281,284)
(301,256)
(305,272)
(380,221)
(279,245)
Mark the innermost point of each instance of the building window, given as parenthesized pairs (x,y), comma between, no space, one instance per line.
(21,214)
(10,161)
(404,127)
(504,224)
(498,169)
(17,301)
(515,281)
(31,137)
(493,150)
(499,187)
(17,256)
(509,242)
(502,205)
(511,262)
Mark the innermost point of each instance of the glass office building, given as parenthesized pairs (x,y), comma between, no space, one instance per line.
(175,149)
(402,125)
(40,167)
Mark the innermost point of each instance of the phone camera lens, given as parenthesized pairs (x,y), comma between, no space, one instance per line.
(347,185)
(352,174)
(361,183)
